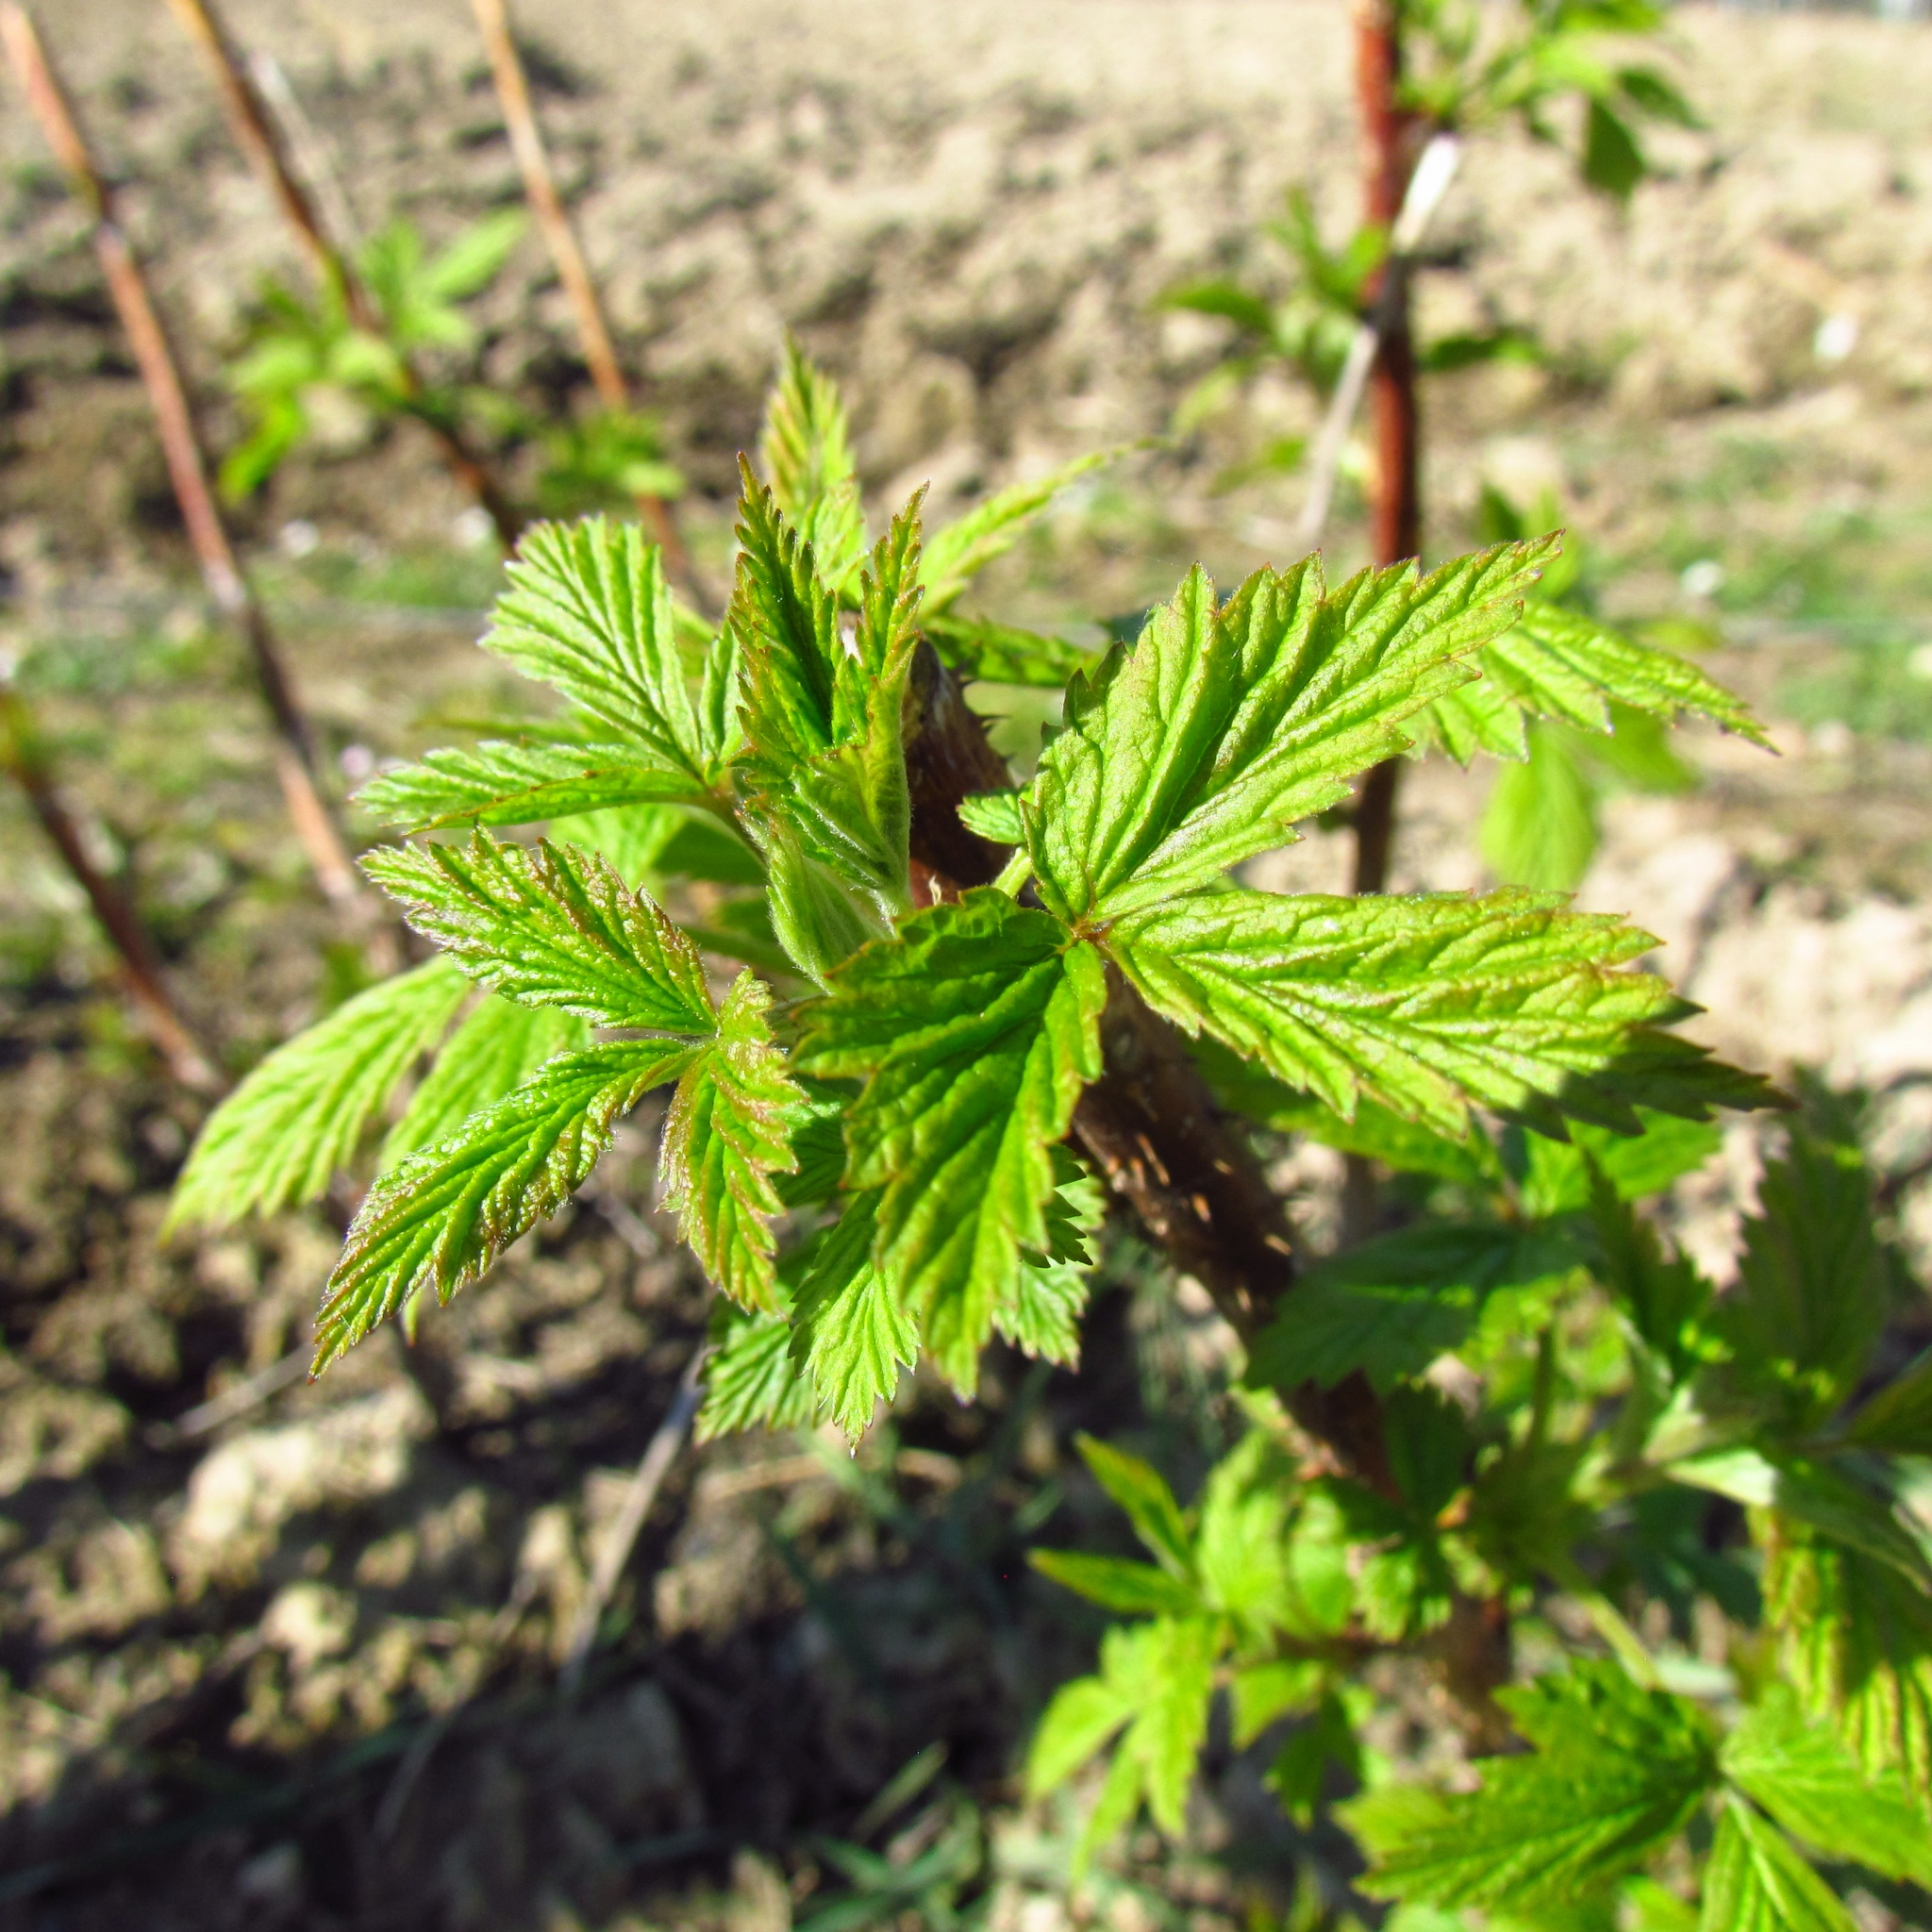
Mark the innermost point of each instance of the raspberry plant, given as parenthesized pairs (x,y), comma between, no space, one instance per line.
(934,1027)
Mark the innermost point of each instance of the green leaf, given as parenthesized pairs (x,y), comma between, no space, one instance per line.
(1613,163)
(1557,1174)
(1041,1314)
(1810,1301)
(819,921)
(993,815)
(1301,1766)
(1560,663)
(1661,1294)
(750,1380)
(1898,1420)
(1829,1495)
(1856,1637)
(1262,1694)
(1756,1882)
(1241,1547)
(978,648)
(824,721)
(1375,1132)
(806,452)
(1134,1589)
(281,1136)
(726,1136)
(959,551)
(1140,1489)
(497,1047)
(1390,1305)
(552,926)
(1812,1785)
(1221,727)
(975,1029)
(1226,300)
(470,263)
(851,1329)
(1424,1004)
(1617,1773)
(1539,828)
(501,784)
(1081,1717)
(440,1218)
(588,612)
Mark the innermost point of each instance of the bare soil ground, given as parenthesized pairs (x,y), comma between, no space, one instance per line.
(299,1669)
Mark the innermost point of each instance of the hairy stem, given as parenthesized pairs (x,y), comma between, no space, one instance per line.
(187,459)
(257,135)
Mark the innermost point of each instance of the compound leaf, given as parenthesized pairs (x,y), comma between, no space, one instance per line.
(501,784)
(551,926)
(1423,1004)
(1206,741)
(280,1138)
(806,452)
(750,1380)
(1755,1881)
(497,1047)
(975,1029)
(1134,1589)
(1617,1773)
(439,1217)
(998,653)
(1142,1490)
(726,1136)
(1809,1781)
(852,1331)
(588,612)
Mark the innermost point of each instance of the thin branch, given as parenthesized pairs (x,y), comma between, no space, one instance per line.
(1426,187)
(255,133)
(25,759)
(560,237)
(621,1537)
(316,171)
(187,461)
(246,1395)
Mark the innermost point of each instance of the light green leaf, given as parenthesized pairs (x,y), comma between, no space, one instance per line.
(1081,1717)
(1856,1637)
(1756,1882)
(440,1218)
(851,1329)
(281,1136)
(975,1029)
(1539,828)
(470,263)
(726,1136)
(1661,1293)
(977,647)
(1241,1547)
(750,1380)
(551,926)
(1424,1004)
(1558,662)
(1142,1490)
(1557,1174)
(1618,1772)
(1221,727)
(993,815)
(500,784)
(588,612)
(818,920)
(498,1047)
(1134,1589)
(1262,1694)
(805,452)
(963,548)
(1811,1784)
(824,715)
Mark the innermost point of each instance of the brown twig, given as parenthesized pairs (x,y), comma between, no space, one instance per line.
(256,132)
(546,204)
(187,461)
(621,1537)
(25,759)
